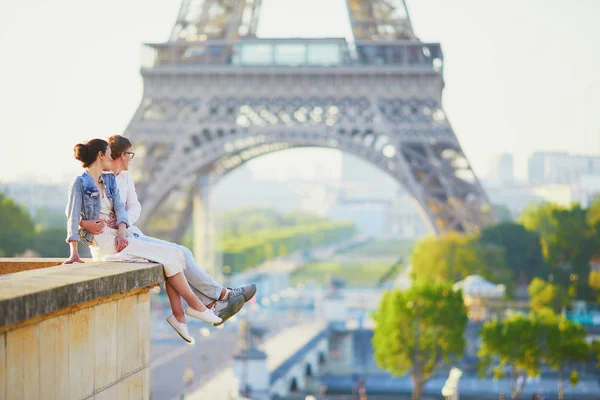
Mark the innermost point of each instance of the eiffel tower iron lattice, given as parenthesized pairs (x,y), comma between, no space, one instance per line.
(216,96)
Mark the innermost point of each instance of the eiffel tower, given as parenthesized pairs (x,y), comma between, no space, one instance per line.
(216,96)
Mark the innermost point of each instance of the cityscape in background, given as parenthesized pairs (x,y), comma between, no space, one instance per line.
(363,215)
(343,187)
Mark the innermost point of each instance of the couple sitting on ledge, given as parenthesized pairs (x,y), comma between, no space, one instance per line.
(101,212)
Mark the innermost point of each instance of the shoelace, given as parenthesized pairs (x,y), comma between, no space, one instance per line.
(236,291)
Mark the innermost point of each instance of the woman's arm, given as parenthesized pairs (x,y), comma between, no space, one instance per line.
(121,239)
(73,210)
(74,256)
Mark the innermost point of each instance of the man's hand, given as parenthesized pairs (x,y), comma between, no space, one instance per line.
(112,221)
(121,242)
(94,226)
(74,258)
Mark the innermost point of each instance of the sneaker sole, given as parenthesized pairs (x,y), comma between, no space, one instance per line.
(237,306)
(183,337)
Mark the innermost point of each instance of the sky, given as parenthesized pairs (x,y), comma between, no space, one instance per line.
(521,75)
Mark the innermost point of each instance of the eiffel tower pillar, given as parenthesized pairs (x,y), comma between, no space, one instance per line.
(204,229)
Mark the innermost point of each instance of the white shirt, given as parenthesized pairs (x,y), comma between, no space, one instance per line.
(129,196)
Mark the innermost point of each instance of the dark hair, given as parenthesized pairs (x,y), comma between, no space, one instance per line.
(118,144)
(88,152)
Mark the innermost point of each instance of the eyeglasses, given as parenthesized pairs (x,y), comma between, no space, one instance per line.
(131,154)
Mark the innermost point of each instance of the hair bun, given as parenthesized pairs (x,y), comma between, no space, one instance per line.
(87,152)
(81,152)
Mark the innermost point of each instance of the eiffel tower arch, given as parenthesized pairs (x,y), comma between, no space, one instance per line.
(216,96)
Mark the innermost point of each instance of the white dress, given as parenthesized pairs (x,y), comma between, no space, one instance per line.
(104,247)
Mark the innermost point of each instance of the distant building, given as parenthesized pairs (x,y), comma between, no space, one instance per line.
(36,195)
(502,169)
(560,168)
(588,189)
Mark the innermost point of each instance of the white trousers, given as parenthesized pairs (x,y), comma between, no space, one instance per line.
(104,248)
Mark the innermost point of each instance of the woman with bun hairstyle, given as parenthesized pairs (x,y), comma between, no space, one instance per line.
(94,195)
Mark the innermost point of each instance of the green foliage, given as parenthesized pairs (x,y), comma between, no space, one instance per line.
(595,347)
(544,294)
(454,256)
(50,243)
(574,377)
(538,217)
(522,248)
(566,346)
(593,213)
(418,329)
(568,242)
(250,250)
(566,343)
(522,343)
(245,221)
(252,236)
(49,219)
(16,227)
(503,214)
(516,343)
(393,248)
(355,275)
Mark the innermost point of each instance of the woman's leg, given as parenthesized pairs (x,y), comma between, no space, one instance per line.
(176,304)
(182,288)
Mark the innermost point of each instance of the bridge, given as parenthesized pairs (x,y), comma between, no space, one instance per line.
(217,96)
(287,362)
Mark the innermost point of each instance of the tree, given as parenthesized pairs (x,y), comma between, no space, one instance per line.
(522,248)
(419,329)
(546,295)
(45,218)
(453,256)
(571,247)
(50,243)
(16,227)
(566,346)
(502,212)
(538,217)
(517,343)
(593,212)
(567,240)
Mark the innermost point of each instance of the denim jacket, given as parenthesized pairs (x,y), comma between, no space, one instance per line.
(84,203)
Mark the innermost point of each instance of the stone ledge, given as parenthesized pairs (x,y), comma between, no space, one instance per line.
(34,293)
(12,265)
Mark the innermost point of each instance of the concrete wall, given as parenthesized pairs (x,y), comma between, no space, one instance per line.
(95,349)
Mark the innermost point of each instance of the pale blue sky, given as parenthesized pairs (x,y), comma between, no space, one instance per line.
(521,75)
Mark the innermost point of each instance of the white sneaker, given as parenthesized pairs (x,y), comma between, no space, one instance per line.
(181,329)
(206,315)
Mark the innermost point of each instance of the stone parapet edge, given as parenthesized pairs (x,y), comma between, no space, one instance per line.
(36,305)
